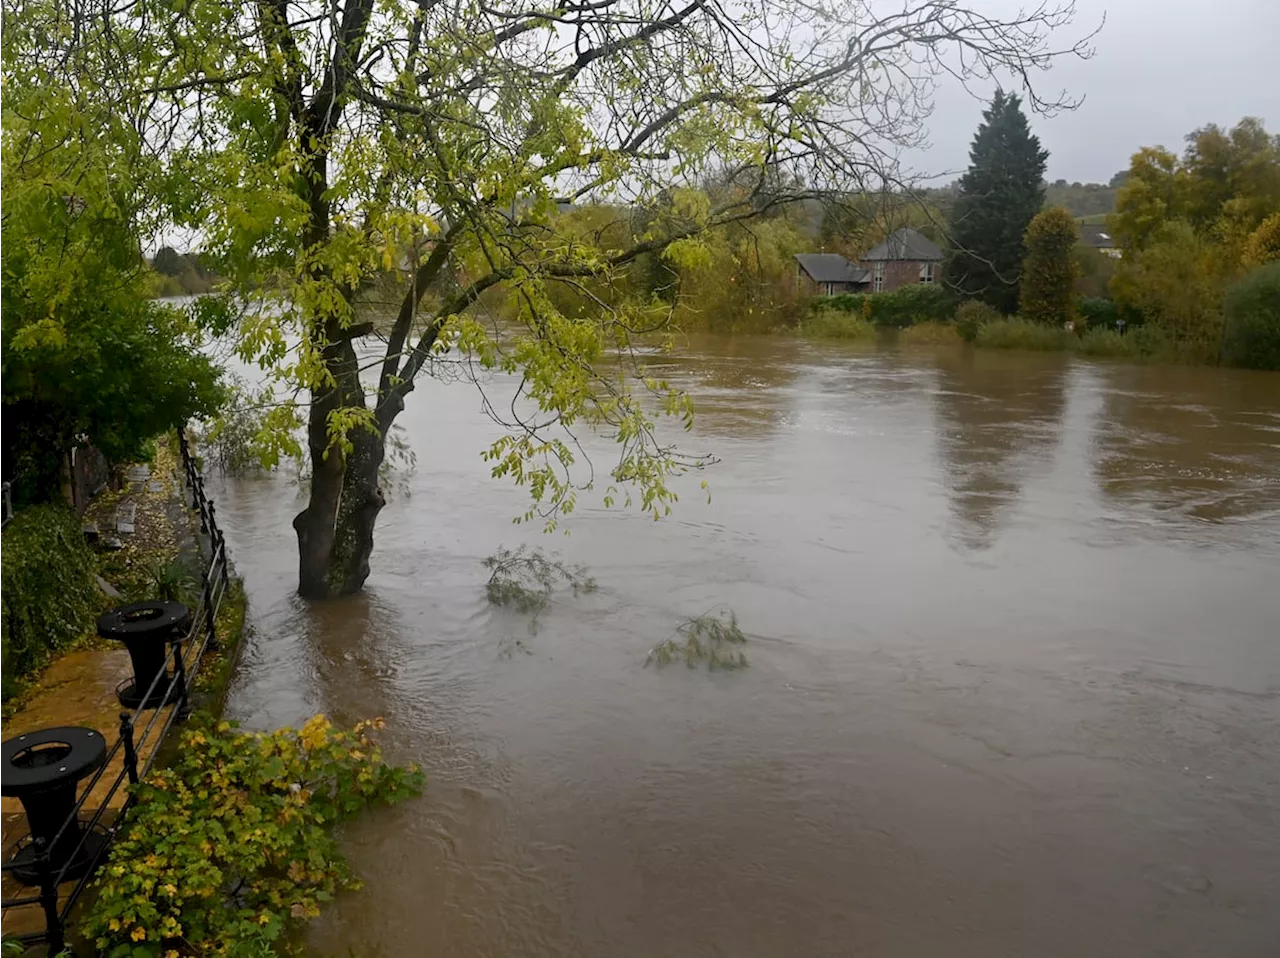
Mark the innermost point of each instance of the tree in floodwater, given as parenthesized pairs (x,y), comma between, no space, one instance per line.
(382,184)
(999,194)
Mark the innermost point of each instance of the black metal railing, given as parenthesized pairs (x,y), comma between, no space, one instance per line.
(140,734)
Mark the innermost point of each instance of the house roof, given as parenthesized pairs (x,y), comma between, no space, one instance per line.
(831,268)
(1097,236)
(905,244)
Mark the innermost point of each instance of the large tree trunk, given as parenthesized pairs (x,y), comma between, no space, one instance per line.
(335,531)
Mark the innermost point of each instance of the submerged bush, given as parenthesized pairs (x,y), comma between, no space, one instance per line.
(527,577)
(930,334)
(1015,333)
(902,307)
(972,315)
(837,324)
(1252,335)
(1108,342)
(713,639)
(234,842)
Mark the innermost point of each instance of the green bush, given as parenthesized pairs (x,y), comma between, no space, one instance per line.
(1098,312)
(1252,308)
(837,324)
(902,307)
(233,844)
(972,315)
(1016,333)
(1108,342)
(930,334)
(47,590)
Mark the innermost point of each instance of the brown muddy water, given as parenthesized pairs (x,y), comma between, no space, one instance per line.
(1014,683)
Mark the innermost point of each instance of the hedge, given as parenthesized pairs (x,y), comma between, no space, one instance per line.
(902,307)
(47,590)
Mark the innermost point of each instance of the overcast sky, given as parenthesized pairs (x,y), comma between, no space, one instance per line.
(1163,68)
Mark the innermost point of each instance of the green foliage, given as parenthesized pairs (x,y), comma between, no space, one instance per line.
(999,194)
(1176,284)
(1047,293)
(901,307)
(1263,244)
(972,315)
(837,324)
(233,843)
(1017,333)
(1097,312)
(1102,341)
(526,578)
(713,639)
(174,580)
(930,334)
(1252,335)
(84,357)
(168,261)
(1093,271)
(48,595)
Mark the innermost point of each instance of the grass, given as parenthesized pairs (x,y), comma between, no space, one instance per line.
(1017,333)
(930,334)
(713,639)
(1107,342)
(836,324)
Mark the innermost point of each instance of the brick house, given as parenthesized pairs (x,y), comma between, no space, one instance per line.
(905,256)
(826,274)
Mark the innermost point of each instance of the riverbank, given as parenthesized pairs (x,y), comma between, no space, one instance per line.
(148,545)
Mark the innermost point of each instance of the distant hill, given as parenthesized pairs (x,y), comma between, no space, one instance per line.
(1081,199)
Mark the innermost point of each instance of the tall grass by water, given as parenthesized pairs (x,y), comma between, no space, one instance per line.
(837,324)
(1015,333)
(930,334)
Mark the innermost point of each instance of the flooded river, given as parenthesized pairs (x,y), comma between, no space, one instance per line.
(1014,683)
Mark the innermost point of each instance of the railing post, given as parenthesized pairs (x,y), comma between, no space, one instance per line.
(49,902)
(180,676)
(210,617)
(130,753)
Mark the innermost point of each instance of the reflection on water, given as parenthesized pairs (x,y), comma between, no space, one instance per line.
(999,417)
(1014,683)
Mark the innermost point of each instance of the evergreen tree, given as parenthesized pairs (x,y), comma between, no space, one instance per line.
(999,194)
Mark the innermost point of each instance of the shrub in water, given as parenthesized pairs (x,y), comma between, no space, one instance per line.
(837,324)
(1252,335)
(972,315)
(1018,333)
(234,842)
(930,334)
(713,639)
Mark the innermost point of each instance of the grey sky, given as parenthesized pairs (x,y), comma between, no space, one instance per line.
(1163,68)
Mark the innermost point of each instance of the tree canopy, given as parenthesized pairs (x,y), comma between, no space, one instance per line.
(999,194)
(382,183)
(1047,294)
(85,357)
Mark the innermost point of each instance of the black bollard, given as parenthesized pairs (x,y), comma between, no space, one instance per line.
(41,770)
(146,628)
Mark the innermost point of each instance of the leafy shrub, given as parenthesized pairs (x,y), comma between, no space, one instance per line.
(902,307)
(1016,333)
(234,841)
(1108,342)
(837,324)
(713,639)
(972,315)
(1047,288)
(47,590)
(1252,308)
(1098,313)
(930,334)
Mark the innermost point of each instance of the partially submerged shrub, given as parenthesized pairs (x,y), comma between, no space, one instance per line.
(526,578)
(234,841)
(713,639)
(837,324)
(972,315)
(930,334)
(1108,342)
(1018,333)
